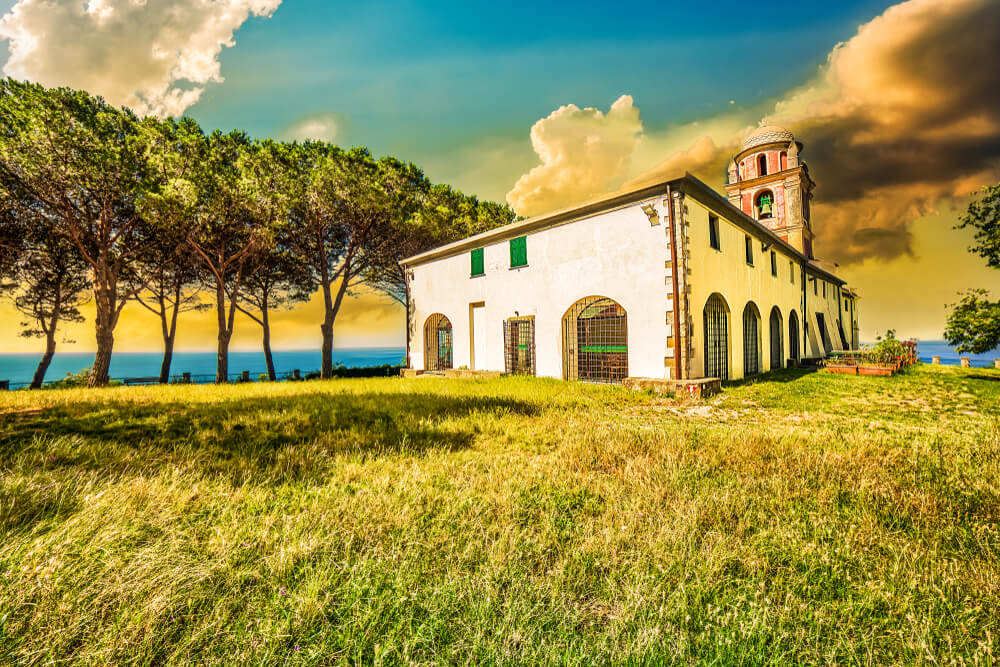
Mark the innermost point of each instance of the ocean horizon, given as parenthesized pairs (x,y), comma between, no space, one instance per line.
(19,368)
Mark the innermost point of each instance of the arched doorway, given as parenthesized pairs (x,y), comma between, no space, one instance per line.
(793,337)
(595,341)
(716,316)
(777,353)
(751,340)
(437,343)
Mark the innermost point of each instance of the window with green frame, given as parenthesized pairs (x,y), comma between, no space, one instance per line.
(478,264)
(519,252)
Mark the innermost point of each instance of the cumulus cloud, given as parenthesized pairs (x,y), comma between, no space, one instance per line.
(583,153)
(319,127)
(903,117)
(152,55)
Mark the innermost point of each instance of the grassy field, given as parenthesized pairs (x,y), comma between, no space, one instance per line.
(801,518)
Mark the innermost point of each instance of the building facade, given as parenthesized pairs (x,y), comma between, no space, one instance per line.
(669,281)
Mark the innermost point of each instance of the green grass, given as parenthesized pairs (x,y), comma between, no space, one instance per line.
(799,518)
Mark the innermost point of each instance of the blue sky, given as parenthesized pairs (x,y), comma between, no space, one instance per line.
(426,80)
(422,79)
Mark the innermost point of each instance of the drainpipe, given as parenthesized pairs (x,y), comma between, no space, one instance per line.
(805,315)
(840,314)
(675,267)
(409,312)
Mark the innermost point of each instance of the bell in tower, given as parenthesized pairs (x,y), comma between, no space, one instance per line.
(769,183)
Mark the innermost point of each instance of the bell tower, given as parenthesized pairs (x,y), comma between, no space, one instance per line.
(769,182)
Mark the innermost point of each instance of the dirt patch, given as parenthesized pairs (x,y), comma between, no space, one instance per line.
(25,412)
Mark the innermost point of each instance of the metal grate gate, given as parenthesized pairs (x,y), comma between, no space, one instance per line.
(519,346)
(444,344)
(595,341)
(777,354)
(751,340)
(437,343)
(716,338)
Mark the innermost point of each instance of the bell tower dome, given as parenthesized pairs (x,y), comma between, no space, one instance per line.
(769,182)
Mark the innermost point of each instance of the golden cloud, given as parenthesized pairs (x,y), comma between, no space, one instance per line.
(319,127)
(903,118)
(584,153)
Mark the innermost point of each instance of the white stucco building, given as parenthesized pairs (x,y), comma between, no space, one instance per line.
(670,281)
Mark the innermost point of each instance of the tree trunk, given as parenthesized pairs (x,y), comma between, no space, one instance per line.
(265,324)
(169,334)
(43,365)
(168,357)
(326,370)
(104,329)
(332,313)
(99,375)
(222,358)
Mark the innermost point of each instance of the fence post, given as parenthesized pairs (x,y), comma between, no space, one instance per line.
(296,375)
(936,360)
(965,362)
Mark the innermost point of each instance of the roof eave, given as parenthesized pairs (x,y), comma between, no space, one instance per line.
(687,183)
(554,219)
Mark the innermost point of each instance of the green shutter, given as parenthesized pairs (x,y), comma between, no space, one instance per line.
(478,268)
(519,252)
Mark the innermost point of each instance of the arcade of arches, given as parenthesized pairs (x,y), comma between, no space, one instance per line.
(717,339)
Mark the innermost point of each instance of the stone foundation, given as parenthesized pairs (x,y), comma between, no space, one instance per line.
(693,389)
(454,373)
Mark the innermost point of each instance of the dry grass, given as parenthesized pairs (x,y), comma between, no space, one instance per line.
(802,518)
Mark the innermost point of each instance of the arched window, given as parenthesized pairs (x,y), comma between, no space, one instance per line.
(751,340)
(595,341)
(762,165)
(716,320)
(437,343)
(765,205)
(784,160)
(777,353)
(793,336)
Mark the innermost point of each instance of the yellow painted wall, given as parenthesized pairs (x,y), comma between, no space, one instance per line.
(727,272)
(830,305)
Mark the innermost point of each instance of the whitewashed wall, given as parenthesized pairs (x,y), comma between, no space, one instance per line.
(618,254)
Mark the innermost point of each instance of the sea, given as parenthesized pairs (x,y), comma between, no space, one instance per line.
(19,368)
(949,357)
